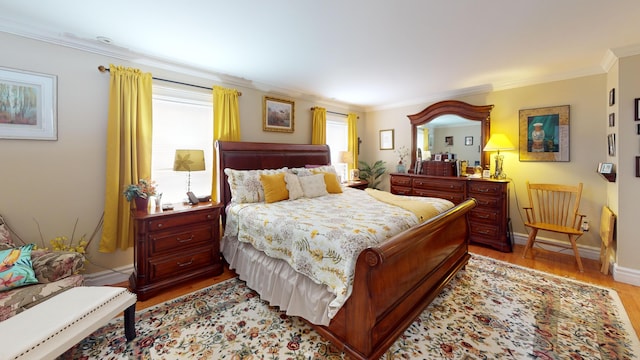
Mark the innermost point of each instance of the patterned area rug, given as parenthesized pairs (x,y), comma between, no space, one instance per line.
(491,310)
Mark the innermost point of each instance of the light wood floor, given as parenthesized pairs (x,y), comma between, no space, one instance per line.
(550,262)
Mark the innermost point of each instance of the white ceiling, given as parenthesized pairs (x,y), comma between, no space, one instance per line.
(366,53)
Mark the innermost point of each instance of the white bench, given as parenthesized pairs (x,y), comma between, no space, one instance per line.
(50,328)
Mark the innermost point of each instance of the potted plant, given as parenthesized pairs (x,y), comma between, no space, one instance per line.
(140,192)
(373,172)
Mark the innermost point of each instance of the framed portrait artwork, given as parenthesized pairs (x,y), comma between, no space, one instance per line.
(28,105)
(468,140)
(544,134)
(386,139)
(278,115)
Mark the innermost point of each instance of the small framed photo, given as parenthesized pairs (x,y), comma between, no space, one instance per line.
(637,166)
(448,140)
(612,119)
(637,109)
(386,139)
(28,105)
(612,97)
(638,129)
(468,140)
(437,157)
(606,168)
(278,115)
(611,144)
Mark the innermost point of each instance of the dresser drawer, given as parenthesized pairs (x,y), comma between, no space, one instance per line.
(401,180)
(483,215)
(400,190)
(488,188)
(183,219)
(455,198)
(162,267)
(183,237)
(486,202)
(437,184)
(484,230)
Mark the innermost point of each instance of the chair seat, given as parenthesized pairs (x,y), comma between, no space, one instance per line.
(554,228)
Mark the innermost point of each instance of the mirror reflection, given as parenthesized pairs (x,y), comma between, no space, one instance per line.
(451,134)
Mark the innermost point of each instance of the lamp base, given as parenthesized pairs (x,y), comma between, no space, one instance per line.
(499,173)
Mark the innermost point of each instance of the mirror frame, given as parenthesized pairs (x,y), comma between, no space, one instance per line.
(454,107)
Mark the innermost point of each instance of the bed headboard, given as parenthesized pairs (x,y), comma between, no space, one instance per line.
(255,155)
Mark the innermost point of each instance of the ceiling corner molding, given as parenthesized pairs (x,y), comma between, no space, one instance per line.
(608,60)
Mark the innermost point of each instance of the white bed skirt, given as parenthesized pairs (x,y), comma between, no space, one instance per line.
(278,283)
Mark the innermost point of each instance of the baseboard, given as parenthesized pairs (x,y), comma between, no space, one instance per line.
(109,277)
(588,252)
(620,274)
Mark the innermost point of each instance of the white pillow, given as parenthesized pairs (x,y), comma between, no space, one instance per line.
(245,185)
(293,185)
(313,186)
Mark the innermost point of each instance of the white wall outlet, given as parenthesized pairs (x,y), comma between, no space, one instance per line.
(585,225)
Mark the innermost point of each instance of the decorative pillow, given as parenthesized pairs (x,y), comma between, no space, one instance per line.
(51,266)
(325,168)
(245,185)
(15,267)
(275,189)
(313,186)
(333,185)
(293,185)
(301,171)
(5,235)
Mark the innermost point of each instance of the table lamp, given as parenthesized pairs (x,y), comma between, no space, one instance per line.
(498,142)
(189,160)
(346,157)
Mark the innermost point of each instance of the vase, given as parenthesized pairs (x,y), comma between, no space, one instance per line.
(400,168)
(141,203)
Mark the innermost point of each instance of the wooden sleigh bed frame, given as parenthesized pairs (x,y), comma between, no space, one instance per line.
(395,281)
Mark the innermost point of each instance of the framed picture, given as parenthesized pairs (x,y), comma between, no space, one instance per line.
(544,134)
(606,168)
(637,111)
(386,139)
(612,96)
(28,105)
(637,166)
(611,144)
(437,157)
(448,140)
(278,115)
(468,140)
(612,119)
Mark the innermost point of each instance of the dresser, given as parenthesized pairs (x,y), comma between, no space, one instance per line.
(173,246)
(488,221)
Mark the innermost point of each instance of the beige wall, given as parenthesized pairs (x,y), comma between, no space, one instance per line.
(57,182)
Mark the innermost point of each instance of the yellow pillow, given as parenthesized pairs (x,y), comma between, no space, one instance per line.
(275,188)
(331,180)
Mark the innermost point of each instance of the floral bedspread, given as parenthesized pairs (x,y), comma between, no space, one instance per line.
(322,237)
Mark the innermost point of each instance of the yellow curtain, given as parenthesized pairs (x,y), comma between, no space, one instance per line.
(319,126)
(226,125)
(352,139)
(129,129)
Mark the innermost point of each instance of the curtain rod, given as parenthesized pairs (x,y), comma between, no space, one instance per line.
(336,113)
(102,69)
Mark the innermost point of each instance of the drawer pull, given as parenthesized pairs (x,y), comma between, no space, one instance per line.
(485,232)
(185,240)
(185,263)
(484,216)
(209,216)
(159,225)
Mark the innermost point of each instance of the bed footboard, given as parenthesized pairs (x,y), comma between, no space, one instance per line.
(395,282)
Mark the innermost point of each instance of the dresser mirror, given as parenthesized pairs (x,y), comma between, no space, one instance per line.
(451,114)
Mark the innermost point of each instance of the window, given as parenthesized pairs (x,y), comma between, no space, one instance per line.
(337,139)
(181,120)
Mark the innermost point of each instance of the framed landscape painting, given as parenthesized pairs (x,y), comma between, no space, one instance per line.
(27,105)
(278,115)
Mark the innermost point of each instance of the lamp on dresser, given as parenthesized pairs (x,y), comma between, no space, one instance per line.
(346,157)
(499,142)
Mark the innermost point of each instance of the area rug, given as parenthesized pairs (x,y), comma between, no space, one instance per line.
(491,310)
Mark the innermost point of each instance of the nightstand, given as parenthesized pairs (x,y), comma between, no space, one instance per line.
(173,246)
(357,184)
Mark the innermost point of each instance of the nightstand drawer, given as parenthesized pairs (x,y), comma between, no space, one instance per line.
(183,237)
(482,215)
(183,219)
(400,190)
(484,230)
(487,202)
(175,265)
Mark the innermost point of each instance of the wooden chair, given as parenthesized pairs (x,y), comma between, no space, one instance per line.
(554,208)
(607,225)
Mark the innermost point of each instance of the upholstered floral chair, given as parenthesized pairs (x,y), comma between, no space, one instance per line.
(28,277)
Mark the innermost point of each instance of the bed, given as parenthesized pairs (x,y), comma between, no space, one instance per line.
(393,281)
